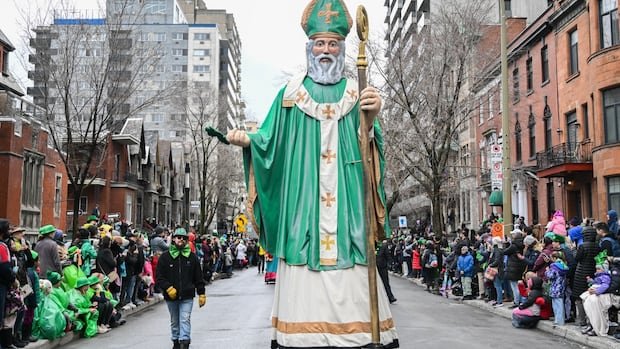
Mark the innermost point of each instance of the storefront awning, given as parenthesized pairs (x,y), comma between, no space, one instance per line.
(496,198)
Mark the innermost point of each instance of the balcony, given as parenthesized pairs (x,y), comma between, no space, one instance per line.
(564,159)
(98,178)
(485,177)
(131,178)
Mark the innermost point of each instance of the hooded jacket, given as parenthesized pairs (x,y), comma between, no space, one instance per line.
(515,266)
(585,261)
(557,275)
(465,264)
(613,223)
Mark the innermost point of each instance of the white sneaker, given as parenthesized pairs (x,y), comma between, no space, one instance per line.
(126,307)
(101,329)
(133,306)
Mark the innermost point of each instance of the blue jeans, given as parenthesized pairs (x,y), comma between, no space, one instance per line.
(180,318)
(558,310)
(516,296)
(499,289)
(129,290)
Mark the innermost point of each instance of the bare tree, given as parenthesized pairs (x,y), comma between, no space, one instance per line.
(427,100)
(87,72)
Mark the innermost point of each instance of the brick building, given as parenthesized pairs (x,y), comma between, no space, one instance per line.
(33,181)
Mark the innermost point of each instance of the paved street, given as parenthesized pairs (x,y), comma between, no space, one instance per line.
(238,309)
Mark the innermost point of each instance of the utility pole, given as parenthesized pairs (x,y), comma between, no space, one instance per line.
(506,165)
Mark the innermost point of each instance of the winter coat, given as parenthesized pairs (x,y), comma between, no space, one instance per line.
(602,282)
(515,266)
(384,259)
(496,260)
(535,292)
(531,255)
(612,223)
(576,235)
(557,224)
(556,273)
(465,264)
(417,264)
(543,260)
(586,266)
(182,273)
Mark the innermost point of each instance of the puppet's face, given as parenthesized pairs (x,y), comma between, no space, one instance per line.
(326,58)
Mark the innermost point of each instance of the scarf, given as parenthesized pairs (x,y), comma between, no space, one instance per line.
(174,251)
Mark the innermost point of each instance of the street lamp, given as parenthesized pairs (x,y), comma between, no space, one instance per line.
(186,196)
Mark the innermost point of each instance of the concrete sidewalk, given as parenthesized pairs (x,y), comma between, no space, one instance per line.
(568,331)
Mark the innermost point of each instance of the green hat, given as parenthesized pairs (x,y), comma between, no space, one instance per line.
(72,250)
(326,18)
(34,254)
(93,280)
(558,238)
(179,232)
(47,229)
(53,277)
(92,218)
(82,282)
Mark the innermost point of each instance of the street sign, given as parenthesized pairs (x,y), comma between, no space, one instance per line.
(497,176)
(496,153)
(402,221)
(194,204)
(497,229)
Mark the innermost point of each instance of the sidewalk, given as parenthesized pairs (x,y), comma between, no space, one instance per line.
(568,332)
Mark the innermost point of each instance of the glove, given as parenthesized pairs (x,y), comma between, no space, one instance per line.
(172,292)
(202,300)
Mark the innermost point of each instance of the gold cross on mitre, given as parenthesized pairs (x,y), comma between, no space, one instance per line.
(328,156)
(328,13)
(328,112)
(301,97)
(328,199)
(328,242)
(352,94)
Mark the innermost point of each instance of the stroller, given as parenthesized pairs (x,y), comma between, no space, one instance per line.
(271,269)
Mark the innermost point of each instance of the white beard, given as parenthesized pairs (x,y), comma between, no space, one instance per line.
(325,73)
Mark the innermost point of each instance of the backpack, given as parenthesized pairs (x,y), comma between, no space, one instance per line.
(615,246)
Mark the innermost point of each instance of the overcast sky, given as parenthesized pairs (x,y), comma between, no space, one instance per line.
(271,37)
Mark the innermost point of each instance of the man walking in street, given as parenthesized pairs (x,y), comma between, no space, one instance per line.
(180,277)
(384,259)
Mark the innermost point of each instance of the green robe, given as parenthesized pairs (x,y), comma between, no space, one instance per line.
(71,274)
(88,254)
(285,155)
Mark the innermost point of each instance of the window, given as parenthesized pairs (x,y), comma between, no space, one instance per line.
(155,7)
(530,74)
(201,53)
(531,128)
(201,69)
(144,36)
(117,167)
(491,104)
(157,117)
(518,142)
(550,197)
(574,52)
(177,36)
(586,124)
(613,193)
(515,85)
(32,178)
(544,61)
(58,195)
(90,52)
(179,52)
(609,23)
(202,36)
(179,68)
(547,121)
(160,68)
(611,113)
(128,207)
(83,206)
(159,37)
(481,112)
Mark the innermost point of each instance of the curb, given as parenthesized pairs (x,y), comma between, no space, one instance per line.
(568,332)
(71,336)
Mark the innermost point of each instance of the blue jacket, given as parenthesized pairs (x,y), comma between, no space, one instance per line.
(465,264)
(557,275)
(576,234)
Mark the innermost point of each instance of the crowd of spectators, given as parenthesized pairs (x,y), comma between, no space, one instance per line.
(566,273)
(85,282)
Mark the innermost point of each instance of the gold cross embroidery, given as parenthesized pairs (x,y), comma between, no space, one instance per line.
(352,94)
(328,199)
(328,242)
(328,156)
(329,112)
(328,13)
(301,97)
